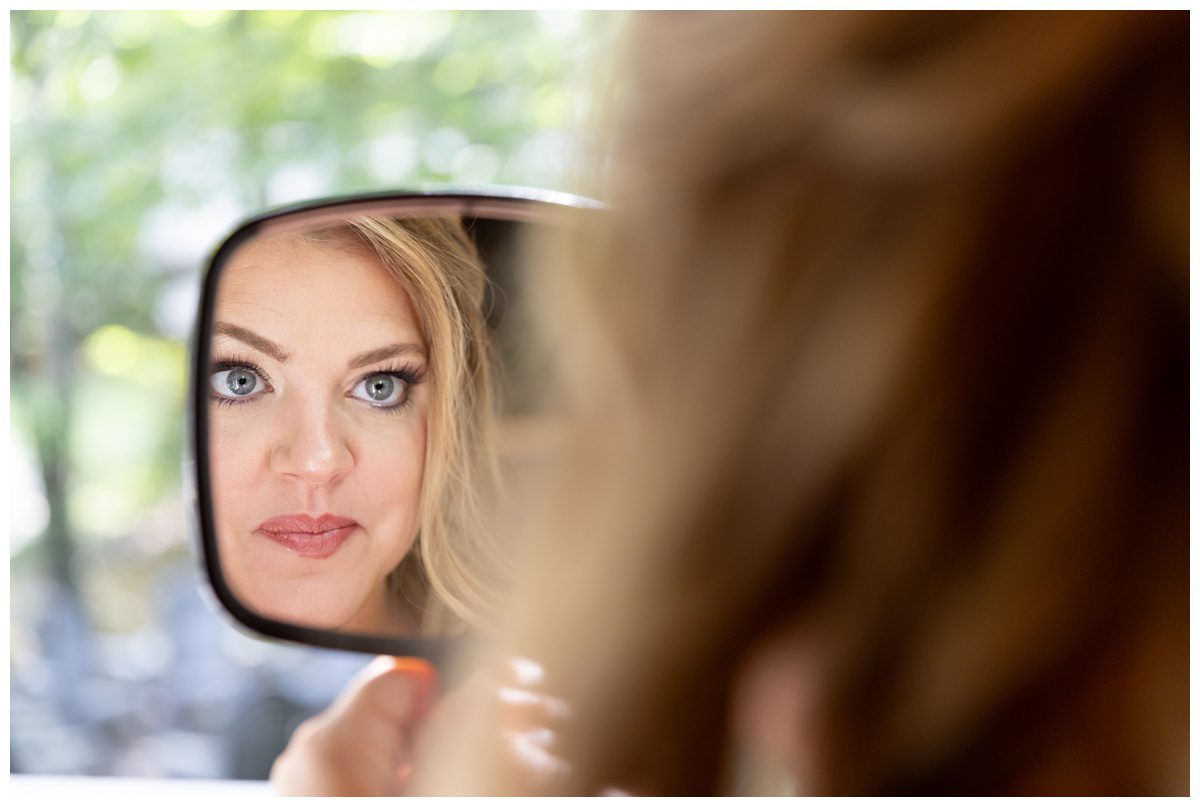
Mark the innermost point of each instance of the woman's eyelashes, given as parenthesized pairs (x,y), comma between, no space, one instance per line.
(387,389)
(236,381)
(239,381)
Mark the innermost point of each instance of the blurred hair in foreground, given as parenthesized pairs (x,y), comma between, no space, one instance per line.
(878,381)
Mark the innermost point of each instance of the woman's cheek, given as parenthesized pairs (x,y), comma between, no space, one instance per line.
(394,467)
(240,449)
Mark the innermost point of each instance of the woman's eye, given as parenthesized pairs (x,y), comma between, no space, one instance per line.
(236,382)
(384,390)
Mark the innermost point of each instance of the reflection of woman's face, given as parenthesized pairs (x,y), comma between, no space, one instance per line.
(317,431)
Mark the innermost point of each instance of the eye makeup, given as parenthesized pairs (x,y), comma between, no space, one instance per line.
(231,363)
(407,375)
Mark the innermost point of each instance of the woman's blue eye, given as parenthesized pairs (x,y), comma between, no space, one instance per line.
(236,382)
(384,390)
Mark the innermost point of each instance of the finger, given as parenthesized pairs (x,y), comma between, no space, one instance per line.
(397,691)
(360,745)
(524,693)
(517,701)
(424,677)
(403,776)
(531,753)
(523,708)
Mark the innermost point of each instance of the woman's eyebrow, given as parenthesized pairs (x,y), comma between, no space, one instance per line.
(253,340)
(379,354)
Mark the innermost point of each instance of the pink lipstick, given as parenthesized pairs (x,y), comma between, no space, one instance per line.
(307,536)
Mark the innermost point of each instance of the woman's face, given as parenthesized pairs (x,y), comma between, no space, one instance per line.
(318,419)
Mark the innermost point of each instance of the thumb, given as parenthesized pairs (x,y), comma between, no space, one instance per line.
(361,744)
(398,690)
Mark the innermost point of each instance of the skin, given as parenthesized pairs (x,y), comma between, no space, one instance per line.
(362,745)
(385,737)
(308,439)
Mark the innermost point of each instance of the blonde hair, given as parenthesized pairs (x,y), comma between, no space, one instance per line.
(886,344)
(453,575)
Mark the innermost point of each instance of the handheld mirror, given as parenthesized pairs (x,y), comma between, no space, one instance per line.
(345,428)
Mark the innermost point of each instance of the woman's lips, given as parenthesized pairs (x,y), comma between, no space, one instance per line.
(307,536)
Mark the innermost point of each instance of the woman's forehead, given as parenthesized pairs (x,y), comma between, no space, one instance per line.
(301,289)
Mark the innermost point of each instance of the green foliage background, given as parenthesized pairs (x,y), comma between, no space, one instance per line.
(138,139)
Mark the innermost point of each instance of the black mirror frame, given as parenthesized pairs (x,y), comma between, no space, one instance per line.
(518,203)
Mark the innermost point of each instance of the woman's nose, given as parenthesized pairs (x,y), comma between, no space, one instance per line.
(312,449)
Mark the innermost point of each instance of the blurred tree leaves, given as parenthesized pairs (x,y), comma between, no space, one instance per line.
(138,138)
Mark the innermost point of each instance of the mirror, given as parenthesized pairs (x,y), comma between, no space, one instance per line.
(345,374)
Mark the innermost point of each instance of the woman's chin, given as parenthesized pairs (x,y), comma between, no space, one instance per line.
(330,616)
